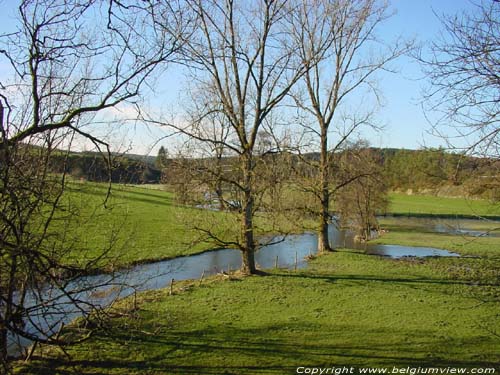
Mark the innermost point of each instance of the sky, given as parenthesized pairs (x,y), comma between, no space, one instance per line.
(405,122)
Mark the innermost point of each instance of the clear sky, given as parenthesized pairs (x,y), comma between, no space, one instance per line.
(407,126)
(405,122)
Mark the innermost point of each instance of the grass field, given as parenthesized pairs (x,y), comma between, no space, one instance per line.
(137,224)
(427,204)
(346,309)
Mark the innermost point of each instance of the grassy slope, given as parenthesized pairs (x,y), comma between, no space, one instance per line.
(427,204)
(143,224)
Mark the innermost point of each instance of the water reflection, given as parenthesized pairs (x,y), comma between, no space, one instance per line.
(396,251)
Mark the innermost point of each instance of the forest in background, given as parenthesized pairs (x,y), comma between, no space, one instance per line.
(427,171)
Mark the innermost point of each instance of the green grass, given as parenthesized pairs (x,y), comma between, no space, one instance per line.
(137,224)
(426,204)
(346,308)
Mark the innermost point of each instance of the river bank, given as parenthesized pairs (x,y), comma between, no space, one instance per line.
(344,308)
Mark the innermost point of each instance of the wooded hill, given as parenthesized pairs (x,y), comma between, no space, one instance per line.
(439,172)
(431,171)
(93,166)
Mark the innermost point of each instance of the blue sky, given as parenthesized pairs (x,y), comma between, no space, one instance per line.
(407,125)
(405,122)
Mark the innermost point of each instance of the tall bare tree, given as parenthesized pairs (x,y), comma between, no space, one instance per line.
(68,61)
(242,52)
(463,72)
(343,35)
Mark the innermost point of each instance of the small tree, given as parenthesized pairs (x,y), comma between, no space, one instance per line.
(162,158)
(365,196)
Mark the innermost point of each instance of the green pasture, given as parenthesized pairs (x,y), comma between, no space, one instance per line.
(346,309)
(133,225)
(404,204)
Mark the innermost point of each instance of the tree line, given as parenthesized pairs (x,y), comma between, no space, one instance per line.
(92,167)
(431,171)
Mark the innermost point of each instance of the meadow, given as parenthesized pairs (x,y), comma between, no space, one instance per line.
(142,224)
(414,205)
(346,308)
(134,225)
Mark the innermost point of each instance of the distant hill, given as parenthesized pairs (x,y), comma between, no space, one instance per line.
(430,171)
(93,166)
(148,159)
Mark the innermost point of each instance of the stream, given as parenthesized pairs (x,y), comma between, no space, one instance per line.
(287,252)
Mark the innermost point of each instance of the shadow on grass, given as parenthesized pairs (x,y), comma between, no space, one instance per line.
(136,195)
(145,196)
(268,349)
(400,280)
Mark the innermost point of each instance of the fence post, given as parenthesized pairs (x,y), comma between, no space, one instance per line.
(202,276)
(171,286)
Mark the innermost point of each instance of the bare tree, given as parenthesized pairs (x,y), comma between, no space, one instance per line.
(464,85)
(462,69)
(242,53)
(206,174)
(69,60)
(365,195)
(216,163)
(342,34)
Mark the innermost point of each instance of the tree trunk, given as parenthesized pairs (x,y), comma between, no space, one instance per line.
(324,214)
(7,311)
(248,251)
(220,196)
(218,182)
(248,262)
(3,345)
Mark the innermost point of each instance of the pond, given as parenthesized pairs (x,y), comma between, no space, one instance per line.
(397,251)
(285,252)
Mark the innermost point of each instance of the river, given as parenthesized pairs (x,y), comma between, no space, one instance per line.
(287,252)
